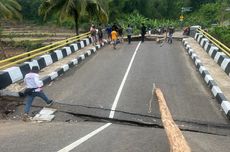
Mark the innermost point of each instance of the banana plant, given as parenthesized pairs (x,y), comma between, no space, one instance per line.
(10,9)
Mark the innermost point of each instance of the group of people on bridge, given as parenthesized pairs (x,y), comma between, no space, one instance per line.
(115,34)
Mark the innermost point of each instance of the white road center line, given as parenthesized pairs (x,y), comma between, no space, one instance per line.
(85,138)
(112,112)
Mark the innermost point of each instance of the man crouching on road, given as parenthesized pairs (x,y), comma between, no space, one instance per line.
(33,89)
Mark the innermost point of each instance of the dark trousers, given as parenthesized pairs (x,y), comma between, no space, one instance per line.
(170,39)
(142,37)
(129,39)
(30,98)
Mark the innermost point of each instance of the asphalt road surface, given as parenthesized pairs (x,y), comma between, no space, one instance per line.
(108,99)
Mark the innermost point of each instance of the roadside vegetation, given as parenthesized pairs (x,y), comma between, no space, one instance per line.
(26,24)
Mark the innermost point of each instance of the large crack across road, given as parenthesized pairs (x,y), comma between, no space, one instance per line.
(194,126)
(99,114)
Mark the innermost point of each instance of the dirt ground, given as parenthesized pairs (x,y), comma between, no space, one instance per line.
(18,33)
(8,105)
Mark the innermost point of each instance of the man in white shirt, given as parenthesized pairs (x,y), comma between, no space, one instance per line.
(34,89)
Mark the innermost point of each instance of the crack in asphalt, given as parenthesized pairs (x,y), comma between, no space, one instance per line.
(137,119)
(94,118)
(185,125)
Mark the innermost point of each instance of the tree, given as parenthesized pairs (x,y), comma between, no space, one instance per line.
(10,9)
(222,12)
(196,4)
(74,9)
(30,10)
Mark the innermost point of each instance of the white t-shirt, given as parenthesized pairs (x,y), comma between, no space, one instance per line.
(32,81)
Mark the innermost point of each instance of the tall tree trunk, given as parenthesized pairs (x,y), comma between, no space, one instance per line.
(76,17)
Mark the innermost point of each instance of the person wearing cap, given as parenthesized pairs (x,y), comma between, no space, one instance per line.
(33,89)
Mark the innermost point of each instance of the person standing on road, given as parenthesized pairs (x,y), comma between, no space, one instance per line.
(93,32)
(143,32)
(170,34)
(114,38)
(100,35)
(33,89)
(109,30)
(129,31)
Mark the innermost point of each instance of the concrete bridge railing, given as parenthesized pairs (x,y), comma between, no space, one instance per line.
(20,65)
(218,51)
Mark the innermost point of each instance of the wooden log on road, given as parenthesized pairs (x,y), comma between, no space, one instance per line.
(176,139)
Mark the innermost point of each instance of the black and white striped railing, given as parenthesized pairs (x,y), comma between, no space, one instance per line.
(216,91)
(220,57)
(61,70)
(16,73)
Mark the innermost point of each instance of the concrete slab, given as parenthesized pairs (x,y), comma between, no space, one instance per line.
(47,111)
(39,117)
(46,114)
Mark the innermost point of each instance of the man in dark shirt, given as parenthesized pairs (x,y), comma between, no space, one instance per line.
(143,32)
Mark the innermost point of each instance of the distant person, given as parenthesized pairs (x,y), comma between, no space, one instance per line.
(33,89)
(164,39)
(129,31)
(186,31)
(143,32)
(100,35)
(114,35)
(170,34)
(109,30)
(93,32)
(115,27)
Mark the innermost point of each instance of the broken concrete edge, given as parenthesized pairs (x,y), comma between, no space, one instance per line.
(57,72)
(39,117)
(218,56)
(216,91)
(17,73)
(46,114)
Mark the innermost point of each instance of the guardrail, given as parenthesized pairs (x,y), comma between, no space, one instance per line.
(220,45)
(28,33)
(37,52)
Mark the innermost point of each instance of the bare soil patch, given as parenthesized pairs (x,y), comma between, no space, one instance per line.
(19,38)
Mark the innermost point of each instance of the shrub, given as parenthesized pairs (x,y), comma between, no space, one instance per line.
(135,19)
(28,45)
(222,34)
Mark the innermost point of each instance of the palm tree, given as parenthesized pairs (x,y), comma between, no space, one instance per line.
(74,9)
(10,9)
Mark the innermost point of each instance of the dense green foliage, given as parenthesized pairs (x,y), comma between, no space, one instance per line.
(203,12)
(10,9)
(205,16)
(222,34)
(74,9)
(135,19)
(154,13)
(30,10)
